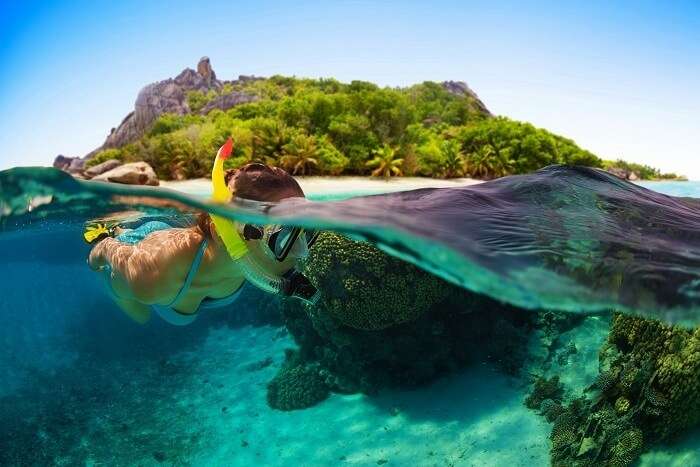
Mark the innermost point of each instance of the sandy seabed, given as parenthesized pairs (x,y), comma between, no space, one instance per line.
(211,409)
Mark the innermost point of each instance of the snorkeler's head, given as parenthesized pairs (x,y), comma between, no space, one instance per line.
(278,245)
(255,248)
(260,182)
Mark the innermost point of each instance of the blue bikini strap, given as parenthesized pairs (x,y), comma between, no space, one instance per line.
(196,262)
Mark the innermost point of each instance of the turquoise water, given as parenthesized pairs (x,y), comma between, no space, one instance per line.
(690,188)
(532,266)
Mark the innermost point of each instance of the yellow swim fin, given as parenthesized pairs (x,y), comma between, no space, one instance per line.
(95,232)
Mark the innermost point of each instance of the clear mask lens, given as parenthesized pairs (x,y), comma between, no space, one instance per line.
(284,237)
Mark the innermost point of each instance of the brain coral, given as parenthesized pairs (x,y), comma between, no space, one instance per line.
(296,387)
(367,289)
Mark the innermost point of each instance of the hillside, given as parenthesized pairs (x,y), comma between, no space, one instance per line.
(325,127)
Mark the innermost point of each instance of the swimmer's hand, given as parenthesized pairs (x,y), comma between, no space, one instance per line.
(120,257)
(102,254)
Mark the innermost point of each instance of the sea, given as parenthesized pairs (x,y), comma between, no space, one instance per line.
(548,257)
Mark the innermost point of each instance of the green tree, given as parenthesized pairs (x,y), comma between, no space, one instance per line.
(105,155)
(269,139)
(331,160)
(385,163)
(434,132)
(196,100)
(351,134)
(485,162)
(453,157)
(300,155)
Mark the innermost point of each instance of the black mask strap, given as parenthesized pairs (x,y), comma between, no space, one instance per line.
(250,232)
(295,284)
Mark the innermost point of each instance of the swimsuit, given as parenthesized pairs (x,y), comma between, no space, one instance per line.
(167,312)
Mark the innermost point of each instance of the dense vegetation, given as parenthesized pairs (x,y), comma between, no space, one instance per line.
(325,127)
(644,172)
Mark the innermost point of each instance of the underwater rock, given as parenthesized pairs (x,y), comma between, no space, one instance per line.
(584,436)
(551,409)
(296,386)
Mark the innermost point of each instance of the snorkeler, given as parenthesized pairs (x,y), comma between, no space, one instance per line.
(177,272)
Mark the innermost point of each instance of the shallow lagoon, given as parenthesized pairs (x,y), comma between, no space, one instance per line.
(83,385)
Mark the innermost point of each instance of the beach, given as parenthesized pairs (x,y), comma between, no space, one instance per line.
(333,187)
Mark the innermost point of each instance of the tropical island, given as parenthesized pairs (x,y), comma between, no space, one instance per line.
(325,127)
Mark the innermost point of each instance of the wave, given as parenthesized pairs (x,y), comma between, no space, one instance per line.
(566,238)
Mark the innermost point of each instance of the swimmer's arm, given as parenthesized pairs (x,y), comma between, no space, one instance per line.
(136,271)
(147,271)
(135,310)
(109,252)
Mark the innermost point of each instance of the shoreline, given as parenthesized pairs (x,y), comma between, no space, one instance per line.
(320,185)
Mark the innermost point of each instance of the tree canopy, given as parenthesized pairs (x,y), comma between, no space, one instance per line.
(324,127)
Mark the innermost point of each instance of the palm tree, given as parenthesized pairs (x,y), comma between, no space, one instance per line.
(485,162)
(300,155)
(454,161)
(385,163)
(268,141)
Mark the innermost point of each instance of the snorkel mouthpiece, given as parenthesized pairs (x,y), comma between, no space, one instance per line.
(225,228)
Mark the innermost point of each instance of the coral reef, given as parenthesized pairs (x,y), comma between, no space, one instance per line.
(296,386)
(544,390)
(364,288)
(647,391)
(383,323)
(658,368)
(585,435)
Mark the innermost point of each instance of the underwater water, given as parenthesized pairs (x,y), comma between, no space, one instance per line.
(530,269)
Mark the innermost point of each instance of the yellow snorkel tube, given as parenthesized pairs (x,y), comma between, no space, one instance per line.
(296,285)
(225,228)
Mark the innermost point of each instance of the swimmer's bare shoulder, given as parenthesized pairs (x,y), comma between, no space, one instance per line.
(147,270)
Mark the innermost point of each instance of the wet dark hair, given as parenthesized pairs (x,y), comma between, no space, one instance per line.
(262,182)
(258,182)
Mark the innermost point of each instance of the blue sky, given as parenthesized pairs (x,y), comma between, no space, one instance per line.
(620,78)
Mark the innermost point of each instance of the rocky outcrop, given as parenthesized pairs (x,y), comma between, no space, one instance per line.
(156,99)
(460,88)
(226,101)
(135,173)
(99,169)
(624,174)
(72,165)
(205,70)
(168,96)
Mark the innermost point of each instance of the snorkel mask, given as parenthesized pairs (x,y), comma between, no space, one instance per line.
(293,283)
(282,241)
